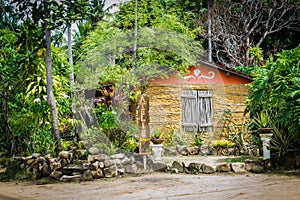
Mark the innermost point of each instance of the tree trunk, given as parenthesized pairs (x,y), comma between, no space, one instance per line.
(70,55)
(8,131)
(72,79)
(209,56)
(50,95)
(135,33)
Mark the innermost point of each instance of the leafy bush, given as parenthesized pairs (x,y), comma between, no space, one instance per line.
(276,90)
(223,144)
(198,140)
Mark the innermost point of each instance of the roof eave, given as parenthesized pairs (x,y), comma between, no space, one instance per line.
(228,70)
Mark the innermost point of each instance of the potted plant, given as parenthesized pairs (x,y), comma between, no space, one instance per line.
(263,122)
(155,138)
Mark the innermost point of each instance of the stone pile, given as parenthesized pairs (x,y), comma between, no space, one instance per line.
(206,150)
(237,167)
(86,165)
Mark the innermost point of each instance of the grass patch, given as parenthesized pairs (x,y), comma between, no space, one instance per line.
(241,159)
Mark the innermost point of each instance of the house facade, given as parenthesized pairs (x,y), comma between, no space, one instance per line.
(206,100)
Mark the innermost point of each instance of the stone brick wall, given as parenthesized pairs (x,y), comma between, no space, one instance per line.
(165,107)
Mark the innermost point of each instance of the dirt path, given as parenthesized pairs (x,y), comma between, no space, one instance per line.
(162,186)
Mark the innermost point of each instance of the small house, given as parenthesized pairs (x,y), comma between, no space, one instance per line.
(205,100)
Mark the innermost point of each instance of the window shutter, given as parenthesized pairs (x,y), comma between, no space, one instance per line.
(197,110)
(189,110)
(205,111)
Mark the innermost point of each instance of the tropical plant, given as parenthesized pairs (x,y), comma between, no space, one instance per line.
(198,140)
(262,120)
(282,141)
(276,91)
(156,133)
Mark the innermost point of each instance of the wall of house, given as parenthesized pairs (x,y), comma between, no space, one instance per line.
(165,107)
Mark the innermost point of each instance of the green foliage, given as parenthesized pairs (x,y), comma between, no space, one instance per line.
(223,144)
(282,141)
(165,45)
(156,133)
(23,83)
(43,141)
(276,90)
(249,70)
(131,141)
(120,135)
(237,133)
(242,159)
(174,138)
(262,119)
(257,54)
(198,140)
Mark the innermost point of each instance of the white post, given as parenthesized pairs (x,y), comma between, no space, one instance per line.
(266,144)
(157,151)
(145,162)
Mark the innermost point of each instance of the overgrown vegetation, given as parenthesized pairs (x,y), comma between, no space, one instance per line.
(117,61)
(274,100)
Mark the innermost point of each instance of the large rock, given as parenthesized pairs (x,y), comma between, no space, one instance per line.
(238,167)
(66,178)
(55,165)
(159,167)
(206,150)
(176,165)
(80,154)
(101,157)
(56,174)
(87,175)
(94,166)
(182,150)
(117,156)
(91,158)
(30,161)
(70,168)
(36,155)
(108,163)
(97,173)
(195,168)
(170,151)
(45,169)
(131,169)
(207,169)
(94,150)
(223,167)
(125,161)
(64,155)
(194,150)
(111,171)
(254,166)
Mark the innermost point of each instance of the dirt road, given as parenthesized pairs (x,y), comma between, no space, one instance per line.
(162,186)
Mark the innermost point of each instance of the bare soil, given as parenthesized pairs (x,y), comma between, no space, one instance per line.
(162,186)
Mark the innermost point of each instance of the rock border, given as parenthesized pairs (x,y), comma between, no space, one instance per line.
(87,165)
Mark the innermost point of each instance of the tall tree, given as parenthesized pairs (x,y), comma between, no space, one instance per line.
(50,94)
(49,14)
